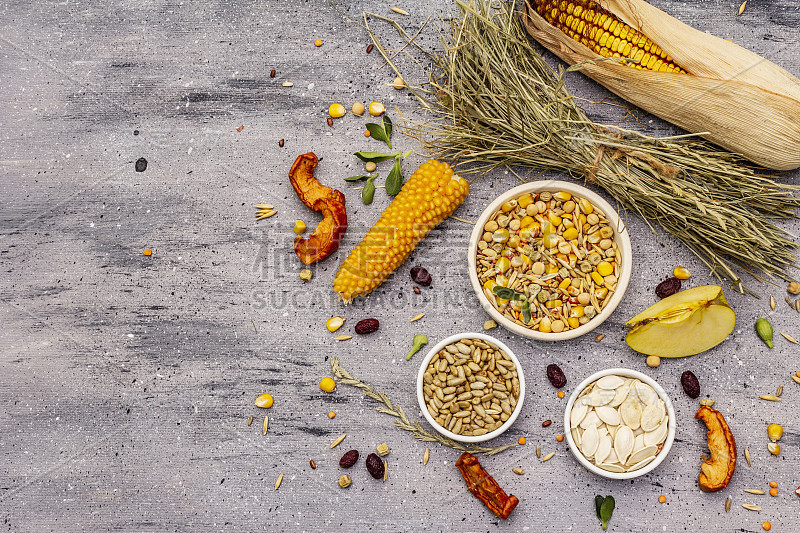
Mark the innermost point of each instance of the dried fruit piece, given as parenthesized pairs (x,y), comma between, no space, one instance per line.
(484,487)
(349,459)
(668,287)
(718,470)
(328,233)
(368,325)
(690,384)
(556,376)
(421,276)
(375,466)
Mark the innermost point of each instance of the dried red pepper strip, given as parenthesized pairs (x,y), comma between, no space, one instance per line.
(484,487)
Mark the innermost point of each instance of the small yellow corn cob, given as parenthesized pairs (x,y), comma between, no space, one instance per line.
(430,195)
(600,30)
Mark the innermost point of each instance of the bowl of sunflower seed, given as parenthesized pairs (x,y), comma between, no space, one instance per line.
(549,260)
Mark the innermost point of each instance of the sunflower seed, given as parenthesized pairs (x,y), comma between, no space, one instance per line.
(789,338)
(728,503)
(417,317)
(538,451)
(772,303)
(426,456)
(751,507)
(518,470)
(548,456)
(755,491)
(747,456)
(770,397)
(338,441)
(278,481)
(779,391)
(265,425)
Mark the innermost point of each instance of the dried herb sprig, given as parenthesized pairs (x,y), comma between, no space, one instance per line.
(499,103)
(404,423)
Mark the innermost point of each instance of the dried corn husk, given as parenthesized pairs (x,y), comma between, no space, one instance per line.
(745,103)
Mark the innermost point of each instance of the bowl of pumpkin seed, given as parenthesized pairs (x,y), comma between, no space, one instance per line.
(470,387)
(549,260)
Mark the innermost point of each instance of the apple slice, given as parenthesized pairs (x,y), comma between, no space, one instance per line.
(686,323)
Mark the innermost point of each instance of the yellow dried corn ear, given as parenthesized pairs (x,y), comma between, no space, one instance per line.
(587,22)
(430,195)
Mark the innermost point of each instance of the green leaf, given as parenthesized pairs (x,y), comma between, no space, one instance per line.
(368,192)
(387,127)
(606,510)
(598,503)
(375,157)
(406,154)
(358,178)
(526,311)
(508,294)
(377,132)
(394,182)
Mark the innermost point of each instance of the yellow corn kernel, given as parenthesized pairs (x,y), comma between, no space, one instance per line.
(564,283)
(327,384)
(334,323)
(336,110)
(529,233)
(554,219)
(573,322)
(681,272)
(501,280)
(570,234)
(527,262)
(508,206)
(562,196)
(299,226)
(547,227)
(500,235)
(604,268)
(429,196)
(513,242)
(527,222)
(376,109)
(598,279)
(550,268)
(586,206)
(775,432)
(552,304)
(502,265)
(600,293)
(525,200)
(576,311)
(264,401)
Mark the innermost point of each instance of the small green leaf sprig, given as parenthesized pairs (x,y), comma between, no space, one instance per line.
(604,508)
(509,294)
(394,181)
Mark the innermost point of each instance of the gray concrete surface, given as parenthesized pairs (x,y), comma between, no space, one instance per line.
(127,381)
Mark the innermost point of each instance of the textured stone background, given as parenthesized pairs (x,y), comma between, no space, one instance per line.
(126,381)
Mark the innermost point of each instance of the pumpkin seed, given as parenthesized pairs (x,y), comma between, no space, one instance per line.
(339,440)
(728,503)
(751,507)
(278,481)
(755,491)
(548,456)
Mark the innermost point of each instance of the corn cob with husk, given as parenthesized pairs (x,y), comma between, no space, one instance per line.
(430,195)
(702,83)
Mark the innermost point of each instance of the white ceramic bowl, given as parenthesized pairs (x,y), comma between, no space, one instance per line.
(621,237)
(667,443)
(421,398)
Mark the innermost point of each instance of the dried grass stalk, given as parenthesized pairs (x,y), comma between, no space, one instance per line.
(738,99)
(498,103)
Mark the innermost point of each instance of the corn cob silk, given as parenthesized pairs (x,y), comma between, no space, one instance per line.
(587,22)
(430,195)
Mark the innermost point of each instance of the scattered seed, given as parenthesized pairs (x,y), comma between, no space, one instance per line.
(548,456)
(280,143)
(383,449)
(653,361)
(788,301)
(338,441)
(402,11)
(774,448)
(417,317)
(370,47)
(755,491)
(240,128)
(306,274)
(264,206)
(265,213)
(385,471)
(318,43)
(728,503)
(522,441)
(779,392)
(546,423)
(751,507)
(599,338)
(250,421)
(538,451)
(288,84)
(662,499)
(742,7)
(331,414)
(797,306)
(707,402)
(418,291)
(330,122)
(398,83)
(426,456)
(272,73)
(265,425)
(771,302)
(518,470)
(789,338)
(795,378)
(489,325)
(343,337)
(278,481)
(312,464)
(747,456)
(345,481)
(770,397)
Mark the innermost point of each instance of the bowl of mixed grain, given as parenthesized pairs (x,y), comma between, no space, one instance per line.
(470,387)
(549,260)
(619,423)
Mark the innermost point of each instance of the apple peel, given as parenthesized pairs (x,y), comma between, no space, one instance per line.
(329,232)
(718,469)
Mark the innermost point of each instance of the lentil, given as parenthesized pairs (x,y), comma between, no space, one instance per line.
(773,484)
(560,438)
(148,252)
(318,43)
(773,492)
(521,441)
(662,499)
(331,414)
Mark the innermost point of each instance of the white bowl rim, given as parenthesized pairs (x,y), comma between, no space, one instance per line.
(626,372)
(421,399)
(621,236)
